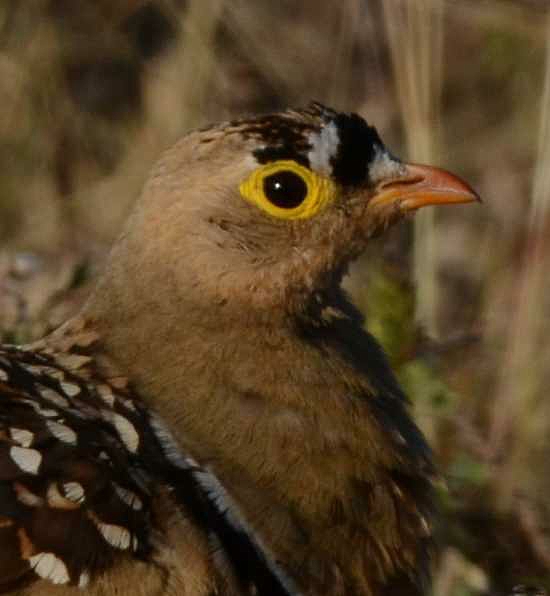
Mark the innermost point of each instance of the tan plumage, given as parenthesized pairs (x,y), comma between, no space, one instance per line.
(216,421)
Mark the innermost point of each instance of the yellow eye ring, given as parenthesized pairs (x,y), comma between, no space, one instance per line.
(288,190)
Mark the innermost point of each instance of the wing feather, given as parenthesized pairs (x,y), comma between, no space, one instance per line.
(69,485)
(81,457)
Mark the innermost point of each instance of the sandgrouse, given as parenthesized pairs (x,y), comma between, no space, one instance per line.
(216,421)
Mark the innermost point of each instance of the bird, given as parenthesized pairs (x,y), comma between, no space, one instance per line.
(216,420)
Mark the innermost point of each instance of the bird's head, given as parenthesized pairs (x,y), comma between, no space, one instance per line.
(268,210)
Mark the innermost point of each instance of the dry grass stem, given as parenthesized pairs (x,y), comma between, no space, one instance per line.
(415,33)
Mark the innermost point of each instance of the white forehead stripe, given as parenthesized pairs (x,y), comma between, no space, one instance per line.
(384,167)
(324,146)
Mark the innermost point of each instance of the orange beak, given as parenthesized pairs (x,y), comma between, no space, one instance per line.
(418,186)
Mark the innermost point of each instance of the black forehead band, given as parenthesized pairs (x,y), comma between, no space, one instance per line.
(286,137)
(358,145)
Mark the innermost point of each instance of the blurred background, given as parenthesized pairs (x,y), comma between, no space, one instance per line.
(93,90)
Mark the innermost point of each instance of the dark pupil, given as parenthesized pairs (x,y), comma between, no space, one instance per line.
(285,189)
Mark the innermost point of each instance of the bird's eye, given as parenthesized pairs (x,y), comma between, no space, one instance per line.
(285,189)
(288,190)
